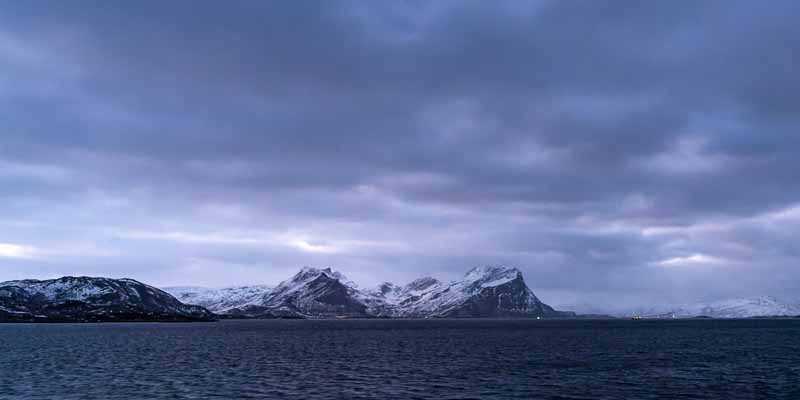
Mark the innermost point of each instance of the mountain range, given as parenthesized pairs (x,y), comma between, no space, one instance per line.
(483,292)
(313,293)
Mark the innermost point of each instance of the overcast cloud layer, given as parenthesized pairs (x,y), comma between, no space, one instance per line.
(614,151)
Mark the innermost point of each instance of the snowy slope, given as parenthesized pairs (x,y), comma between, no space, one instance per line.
(762,306)
(389,300)
(220,300)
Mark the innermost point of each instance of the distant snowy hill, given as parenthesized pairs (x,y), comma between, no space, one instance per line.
(91,299)
(762,306)
(220,300)
(312,292)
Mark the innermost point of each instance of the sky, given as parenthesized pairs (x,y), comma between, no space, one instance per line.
(614,151)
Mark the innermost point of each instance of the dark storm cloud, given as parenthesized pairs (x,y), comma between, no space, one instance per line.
(599,145)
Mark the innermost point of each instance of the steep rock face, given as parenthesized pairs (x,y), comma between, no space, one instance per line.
(92,299)
(509,299)
(484,292)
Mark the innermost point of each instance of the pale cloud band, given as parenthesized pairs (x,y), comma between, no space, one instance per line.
(10,250)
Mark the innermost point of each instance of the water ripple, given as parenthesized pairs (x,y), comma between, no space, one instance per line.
(390,359)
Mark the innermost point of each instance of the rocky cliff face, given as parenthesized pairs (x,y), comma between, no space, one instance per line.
(92,299)
(497,292)
(483,292)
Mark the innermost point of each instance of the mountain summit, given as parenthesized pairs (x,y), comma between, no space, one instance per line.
(315,292)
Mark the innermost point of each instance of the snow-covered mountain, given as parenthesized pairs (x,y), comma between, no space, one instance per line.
(762,306)
(482,292)
(315,292)
(220,300)
(312,292)
(91,299)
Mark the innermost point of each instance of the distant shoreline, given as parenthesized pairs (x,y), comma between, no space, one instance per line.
(479,319)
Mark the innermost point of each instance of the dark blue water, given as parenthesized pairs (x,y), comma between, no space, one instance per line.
(390,359)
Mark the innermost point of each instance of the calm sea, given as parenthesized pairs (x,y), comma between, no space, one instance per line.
(404,359)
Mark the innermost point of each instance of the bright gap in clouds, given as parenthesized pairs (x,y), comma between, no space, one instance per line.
(692,259)
(10,250)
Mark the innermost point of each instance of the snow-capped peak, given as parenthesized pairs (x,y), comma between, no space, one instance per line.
(308,273)
(489,276)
